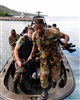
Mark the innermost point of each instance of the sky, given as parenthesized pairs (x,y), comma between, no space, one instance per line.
(47,7)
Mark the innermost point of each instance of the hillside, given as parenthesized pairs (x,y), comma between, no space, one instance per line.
(9,11)
(13,12)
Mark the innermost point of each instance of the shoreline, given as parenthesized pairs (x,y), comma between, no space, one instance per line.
(16,18)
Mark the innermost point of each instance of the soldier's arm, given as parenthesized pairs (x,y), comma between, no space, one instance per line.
(34,49)
(16,50)
(65,39)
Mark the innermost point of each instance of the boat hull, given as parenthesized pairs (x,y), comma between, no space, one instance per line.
(56,93)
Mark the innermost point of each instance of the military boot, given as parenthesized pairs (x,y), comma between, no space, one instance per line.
(44,94)
(54,84)
(15,88)
(25,87)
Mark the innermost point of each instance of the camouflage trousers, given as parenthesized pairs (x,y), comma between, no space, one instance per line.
(20,74)
(49,66)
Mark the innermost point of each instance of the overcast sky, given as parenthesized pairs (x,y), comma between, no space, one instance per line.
(48,7)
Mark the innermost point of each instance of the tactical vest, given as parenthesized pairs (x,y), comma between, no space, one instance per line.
(26,48)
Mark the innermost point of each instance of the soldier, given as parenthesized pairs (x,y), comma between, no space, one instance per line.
(55,26)
(21,52)
(25,30)
(46,41)
(12,40)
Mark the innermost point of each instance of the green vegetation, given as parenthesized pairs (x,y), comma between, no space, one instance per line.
(4,14)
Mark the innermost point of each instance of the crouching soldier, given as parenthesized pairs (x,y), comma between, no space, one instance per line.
(45,40)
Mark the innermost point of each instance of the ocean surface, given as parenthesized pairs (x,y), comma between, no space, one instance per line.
(68,25)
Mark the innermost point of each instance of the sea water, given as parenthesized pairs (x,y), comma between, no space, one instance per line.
(68,25)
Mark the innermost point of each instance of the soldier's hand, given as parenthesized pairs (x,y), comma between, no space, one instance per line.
(29,58)
(37,58)
(65,44)
(19,63)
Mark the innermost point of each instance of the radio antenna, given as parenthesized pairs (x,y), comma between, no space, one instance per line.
(38,13)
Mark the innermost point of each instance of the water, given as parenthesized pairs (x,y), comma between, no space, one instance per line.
(68,25)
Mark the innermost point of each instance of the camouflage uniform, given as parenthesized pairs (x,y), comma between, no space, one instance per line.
(20,74)
(12,41)
(50,55)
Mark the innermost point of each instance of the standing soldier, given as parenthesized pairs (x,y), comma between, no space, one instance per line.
(12,40)
(21,52)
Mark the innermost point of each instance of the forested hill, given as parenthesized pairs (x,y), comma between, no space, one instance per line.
(4,9)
